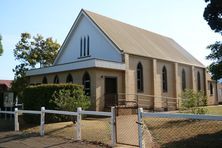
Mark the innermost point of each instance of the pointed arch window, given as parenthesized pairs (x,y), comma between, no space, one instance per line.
(84,47)
(69,79)
(87,45)
(164,79)
(139,77)
(86,83)
(211,89)
(56,80)
(198,81)
(81,47)
(183,80)
(44,80)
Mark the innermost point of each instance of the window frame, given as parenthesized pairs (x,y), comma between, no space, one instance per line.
(139,77)
(56,79)
(86,81)
(164,80)
(69,78)
(183,79)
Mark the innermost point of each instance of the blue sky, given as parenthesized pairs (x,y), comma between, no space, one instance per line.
(181,20)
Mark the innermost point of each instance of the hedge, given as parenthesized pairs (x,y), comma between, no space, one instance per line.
(34,97)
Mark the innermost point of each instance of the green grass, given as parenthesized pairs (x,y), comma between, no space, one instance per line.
(214,110)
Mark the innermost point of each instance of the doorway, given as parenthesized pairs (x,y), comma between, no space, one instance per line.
(111,97)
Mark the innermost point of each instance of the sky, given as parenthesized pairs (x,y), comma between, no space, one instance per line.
(181,20)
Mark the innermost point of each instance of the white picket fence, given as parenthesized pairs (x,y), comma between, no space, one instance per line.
(78,114)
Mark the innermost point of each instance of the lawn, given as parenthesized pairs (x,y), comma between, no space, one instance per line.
(215,110)
(183,133)
(92,129)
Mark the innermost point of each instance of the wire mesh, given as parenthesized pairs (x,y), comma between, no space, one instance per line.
(171,132)
(96,129)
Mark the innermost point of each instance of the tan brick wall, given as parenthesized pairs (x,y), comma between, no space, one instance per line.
(147,75)
(100,75)
(188,75)
(170,78)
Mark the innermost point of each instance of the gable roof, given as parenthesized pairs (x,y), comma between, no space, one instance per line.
(7,83)
(137,41)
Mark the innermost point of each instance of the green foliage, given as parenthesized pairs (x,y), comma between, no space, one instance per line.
(70,99)
(34,97)
(31,51)
(213,15)
(193,101)
(36,50)
(215,67)
(1,48)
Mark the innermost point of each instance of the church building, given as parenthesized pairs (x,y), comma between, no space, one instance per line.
(120,64)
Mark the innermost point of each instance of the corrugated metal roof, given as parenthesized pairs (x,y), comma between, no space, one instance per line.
(6,82)
(137,41)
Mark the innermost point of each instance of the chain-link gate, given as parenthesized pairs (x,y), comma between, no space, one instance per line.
(126,126)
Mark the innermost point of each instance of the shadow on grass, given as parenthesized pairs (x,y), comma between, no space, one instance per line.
(200,141)
(6,125)
(171,123)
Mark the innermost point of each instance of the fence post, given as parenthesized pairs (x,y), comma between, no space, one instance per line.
(16,120)
(42,122)
(79,136)
(113,126)
(140,127)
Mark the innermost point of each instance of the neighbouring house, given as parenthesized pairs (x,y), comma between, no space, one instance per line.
(5,86)
(119,64)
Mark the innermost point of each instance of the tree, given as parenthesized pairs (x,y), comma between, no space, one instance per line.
(1,48)
(213,15)
(32,51)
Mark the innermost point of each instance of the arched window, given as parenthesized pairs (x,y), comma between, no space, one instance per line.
(198,81)
(56,80)
(164,79)
(69,79)
(44,80)
(84,53)
(81,47)
(87,45)
(86,83)
(211,89)
(183,80)
(139,77)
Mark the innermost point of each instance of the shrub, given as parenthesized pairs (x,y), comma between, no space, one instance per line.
(34,97)
(70,99)
(193,101)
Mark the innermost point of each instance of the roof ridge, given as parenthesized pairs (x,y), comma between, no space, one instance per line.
(128,24)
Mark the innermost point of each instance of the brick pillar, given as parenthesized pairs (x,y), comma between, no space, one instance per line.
(158,106)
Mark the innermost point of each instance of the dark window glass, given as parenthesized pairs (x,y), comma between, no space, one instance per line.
(44,80)
(81,47)
(211,89)
(164,79)
(87,45)
(183,79)
(56,80)
(139,77)
(198,81)
(84,54)
(69,79)
(86,83)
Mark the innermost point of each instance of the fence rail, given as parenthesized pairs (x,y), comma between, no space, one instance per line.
(161,124)
(77,114)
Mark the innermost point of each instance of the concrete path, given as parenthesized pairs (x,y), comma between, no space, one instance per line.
(19,140)
(127,130)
